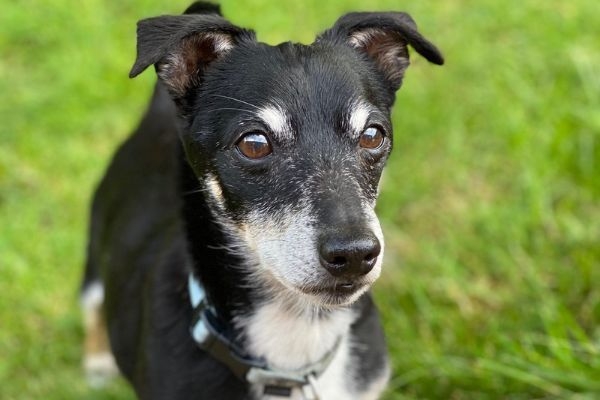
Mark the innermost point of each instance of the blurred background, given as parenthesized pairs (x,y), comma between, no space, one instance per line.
(490,203)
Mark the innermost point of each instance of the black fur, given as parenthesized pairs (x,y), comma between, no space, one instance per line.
(152,223)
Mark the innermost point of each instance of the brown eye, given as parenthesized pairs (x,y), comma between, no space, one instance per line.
(254,145)
(371,138)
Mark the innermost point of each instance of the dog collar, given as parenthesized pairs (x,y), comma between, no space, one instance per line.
(211,336)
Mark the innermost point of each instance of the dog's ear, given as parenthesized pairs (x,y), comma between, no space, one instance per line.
(202,7)
(383,37)
(181,47)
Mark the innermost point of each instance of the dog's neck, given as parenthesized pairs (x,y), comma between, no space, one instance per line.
(290,340)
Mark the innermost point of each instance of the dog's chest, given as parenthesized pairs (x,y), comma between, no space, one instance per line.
(290,341)
(335,383)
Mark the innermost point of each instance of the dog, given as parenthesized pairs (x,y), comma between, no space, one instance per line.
(233,238)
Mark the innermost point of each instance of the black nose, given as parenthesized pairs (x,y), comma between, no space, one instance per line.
(349,256)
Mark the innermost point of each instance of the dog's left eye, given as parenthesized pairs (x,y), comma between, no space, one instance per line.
(254,145)
(371,138)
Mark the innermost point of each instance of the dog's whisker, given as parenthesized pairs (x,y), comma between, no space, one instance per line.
(229,248)
(238,100)
(201,190)
(235,109)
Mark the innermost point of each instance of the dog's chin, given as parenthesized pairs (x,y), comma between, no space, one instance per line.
(334,295)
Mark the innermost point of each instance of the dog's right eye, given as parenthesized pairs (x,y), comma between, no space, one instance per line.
(254,145)
(372,138)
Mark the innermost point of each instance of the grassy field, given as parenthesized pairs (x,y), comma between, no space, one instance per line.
(491,201)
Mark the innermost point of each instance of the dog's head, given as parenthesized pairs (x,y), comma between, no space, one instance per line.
(289,141)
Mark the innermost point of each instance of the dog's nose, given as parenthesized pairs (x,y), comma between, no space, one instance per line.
(349,256)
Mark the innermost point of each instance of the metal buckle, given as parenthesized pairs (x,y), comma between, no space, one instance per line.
(282,383)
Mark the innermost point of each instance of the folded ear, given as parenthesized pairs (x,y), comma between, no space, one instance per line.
(181,47)
(383,37)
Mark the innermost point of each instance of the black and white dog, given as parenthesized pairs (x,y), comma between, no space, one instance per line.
(233,237)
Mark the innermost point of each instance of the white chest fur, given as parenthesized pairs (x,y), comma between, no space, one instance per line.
(290,341)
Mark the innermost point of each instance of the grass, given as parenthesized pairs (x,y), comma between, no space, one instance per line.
(491,201)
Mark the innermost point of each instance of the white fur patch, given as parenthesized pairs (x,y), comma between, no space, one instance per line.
(214,189)
(359,114)
(286,246)
(276,120)
(292,341)
(92,297)
(100,368)
(99,364)
(221,43)
(362,38)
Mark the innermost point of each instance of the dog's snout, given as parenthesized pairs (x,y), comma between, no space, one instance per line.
(349,256)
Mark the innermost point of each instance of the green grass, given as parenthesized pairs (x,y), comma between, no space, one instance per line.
(491,201)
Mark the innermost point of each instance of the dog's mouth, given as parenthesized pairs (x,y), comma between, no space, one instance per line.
(338,291)
(327,292)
